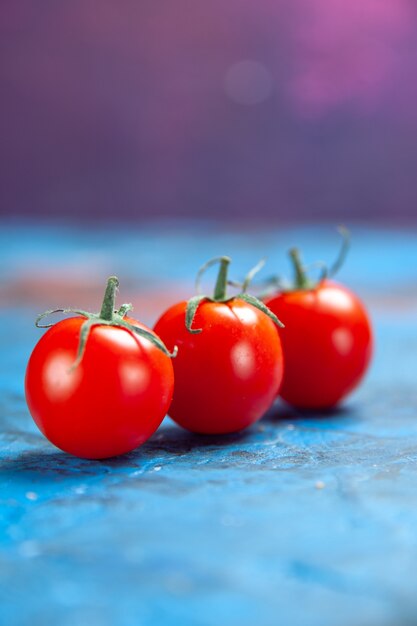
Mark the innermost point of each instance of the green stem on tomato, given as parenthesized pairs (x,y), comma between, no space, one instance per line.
(301,278)
(108,316)
(109,300)
(221,283)
(344,249)
(220,293)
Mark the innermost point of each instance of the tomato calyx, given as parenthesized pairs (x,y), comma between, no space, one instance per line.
(220,292)
(301,280)
(108,316)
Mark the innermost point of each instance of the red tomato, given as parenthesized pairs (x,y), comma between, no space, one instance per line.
(109,403)
(227,375)
(327,343)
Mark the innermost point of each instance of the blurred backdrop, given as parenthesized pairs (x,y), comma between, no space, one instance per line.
(291,109)
(140,138)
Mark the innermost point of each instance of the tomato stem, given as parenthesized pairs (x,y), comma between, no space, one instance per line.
(301,278)
(109,300)
(344,249)
(108,317)
(221,283)
(220,293)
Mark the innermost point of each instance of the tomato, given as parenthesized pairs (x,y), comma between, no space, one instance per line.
(229,364)
(99,386)
(327,341)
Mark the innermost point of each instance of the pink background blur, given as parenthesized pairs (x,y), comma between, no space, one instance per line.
(296,109)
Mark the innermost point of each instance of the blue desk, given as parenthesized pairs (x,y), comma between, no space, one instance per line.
(299,521)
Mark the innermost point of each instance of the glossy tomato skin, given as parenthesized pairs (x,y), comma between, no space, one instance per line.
(327,344)
(112,402)
(228,375)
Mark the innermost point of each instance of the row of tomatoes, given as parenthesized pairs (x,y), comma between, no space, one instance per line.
(99,385)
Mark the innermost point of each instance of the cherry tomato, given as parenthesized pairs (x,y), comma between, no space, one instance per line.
(327,341)
(229,364)
(99,386)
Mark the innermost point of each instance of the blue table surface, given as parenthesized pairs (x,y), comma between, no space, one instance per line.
(299,521)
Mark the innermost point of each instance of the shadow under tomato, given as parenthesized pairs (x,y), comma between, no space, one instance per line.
(281,411)
(44,465)
(175,440)
(48,464)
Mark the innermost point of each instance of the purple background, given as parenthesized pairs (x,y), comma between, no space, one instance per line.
(300,109)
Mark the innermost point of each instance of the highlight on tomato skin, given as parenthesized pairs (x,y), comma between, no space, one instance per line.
(328,339)
(99,386)
(229,366)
